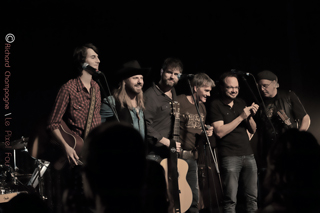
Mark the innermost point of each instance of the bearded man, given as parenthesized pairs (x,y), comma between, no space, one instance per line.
(158,114)
(128,97)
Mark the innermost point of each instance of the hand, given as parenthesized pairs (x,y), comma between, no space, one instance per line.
(178,146)
(166,142)
(71,155)
(246,112)
(210,131)
(254,108)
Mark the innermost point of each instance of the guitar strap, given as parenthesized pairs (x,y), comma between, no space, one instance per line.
(90,114)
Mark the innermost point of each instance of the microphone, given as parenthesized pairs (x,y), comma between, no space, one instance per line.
(239,72)
(90,69)
(188,76)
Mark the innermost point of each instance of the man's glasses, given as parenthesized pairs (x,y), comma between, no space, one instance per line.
(265,86)
(232,88)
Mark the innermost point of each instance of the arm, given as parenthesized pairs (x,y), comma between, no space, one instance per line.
(305,123)
(70,152)
(222,129)
(106,111)
(252,126)
(59,110)
(153,134)
(154,137)
(150,114)
(299,112)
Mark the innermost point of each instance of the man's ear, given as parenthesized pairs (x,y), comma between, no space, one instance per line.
(277,84)
(195,89)
(161,72)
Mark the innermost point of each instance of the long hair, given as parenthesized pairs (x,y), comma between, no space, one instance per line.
(121,95)
(80,54)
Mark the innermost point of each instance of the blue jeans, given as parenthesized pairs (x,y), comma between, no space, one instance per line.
(239,171)
(192,179)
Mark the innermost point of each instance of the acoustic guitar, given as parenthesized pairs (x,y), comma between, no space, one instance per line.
(176,171)
(43,145)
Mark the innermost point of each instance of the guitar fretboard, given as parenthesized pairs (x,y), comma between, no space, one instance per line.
(176,126)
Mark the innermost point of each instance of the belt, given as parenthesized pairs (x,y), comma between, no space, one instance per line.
(189,154)
(154,157)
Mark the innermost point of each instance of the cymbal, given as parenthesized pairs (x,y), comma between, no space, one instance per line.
(16,144)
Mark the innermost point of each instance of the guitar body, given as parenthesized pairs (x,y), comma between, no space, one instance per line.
(42,144)
(176,171)
(73,140)
(185,193)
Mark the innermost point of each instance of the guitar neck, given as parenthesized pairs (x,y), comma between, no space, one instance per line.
(176,126)
(176,129)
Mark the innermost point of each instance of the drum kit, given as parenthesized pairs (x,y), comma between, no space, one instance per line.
(23,174)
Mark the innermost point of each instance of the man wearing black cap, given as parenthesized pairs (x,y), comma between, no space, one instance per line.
(283,110)
(128,97)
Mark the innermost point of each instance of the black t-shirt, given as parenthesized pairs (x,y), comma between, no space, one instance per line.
(236,143)
(297,111)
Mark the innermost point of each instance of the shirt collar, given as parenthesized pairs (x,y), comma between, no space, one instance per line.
(80,85)
(158,91)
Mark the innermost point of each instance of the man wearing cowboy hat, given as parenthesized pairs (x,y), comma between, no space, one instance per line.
(128,97)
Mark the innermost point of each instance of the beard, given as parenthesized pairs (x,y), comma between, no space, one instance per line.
(169,82)
(136,89)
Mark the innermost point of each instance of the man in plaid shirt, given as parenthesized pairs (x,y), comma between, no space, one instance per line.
(73,100)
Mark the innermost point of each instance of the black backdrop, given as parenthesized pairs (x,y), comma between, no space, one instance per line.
(208,36)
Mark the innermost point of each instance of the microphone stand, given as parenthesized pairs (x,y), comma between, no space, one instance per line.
(262,103)
(268,119)
(212,152)
(104,100)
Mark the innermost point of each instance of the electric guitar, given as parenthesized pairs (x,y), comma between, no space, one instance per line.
(42,144)
(176,171)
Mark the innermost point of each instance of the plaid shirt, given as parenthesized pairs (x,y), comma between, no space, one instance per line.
(72,104)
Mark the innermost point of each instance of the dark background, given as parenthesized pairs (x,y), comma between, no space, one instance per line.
(208,36)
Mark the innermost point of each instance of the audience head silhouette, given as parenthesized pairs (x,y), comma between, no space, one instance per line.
(294,172)
(114,167)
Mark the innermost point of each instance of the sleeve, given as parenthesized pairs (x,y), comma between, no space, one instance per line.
(60,106)
(98,104)
(106,111)
(153,136)
(297,107)
(215,114)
